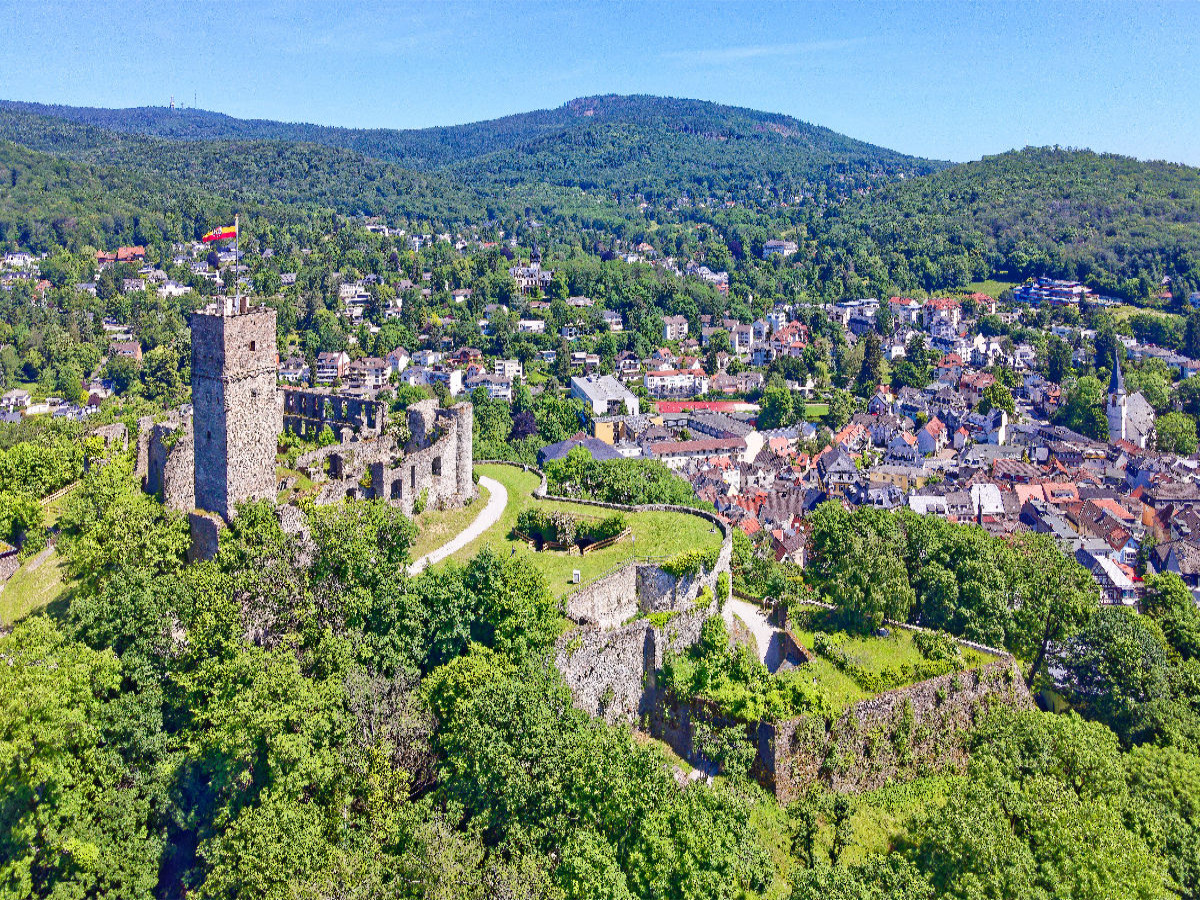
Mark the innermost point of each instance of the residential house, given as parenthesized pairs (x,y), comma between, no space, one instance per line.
(531,326)
(397,360)
(932,437)
(778,248)
(497,386)
(294,370)
(369,373)
(331,366)
(604,395)
(675,328)
(128,349)
(508,368)
(676,383)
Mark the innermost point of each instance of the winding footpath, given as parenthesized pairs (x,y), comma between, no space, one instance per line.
(770,650)
(497,501)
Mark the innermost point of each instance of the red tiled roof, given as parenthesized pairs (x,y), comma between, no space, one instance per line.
(678,406)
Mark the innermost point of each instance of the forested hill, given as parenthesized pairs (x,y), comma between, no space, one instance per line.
(1117,223)
(254,171)
(742,147)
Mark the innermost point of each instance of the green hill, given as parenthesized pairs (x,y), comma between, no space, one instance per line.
(620,143)
(1117,223)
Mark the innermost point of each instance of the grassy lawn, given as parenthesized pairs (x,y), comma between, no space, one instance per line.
(38,583)
(875,654)
(1123,312)
(992,287)
(815,410)
(435,527)
(301,486)
(655,533)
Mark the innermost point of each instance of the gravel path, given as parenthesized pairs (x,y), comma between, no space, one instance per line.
(485,520)
(765,634)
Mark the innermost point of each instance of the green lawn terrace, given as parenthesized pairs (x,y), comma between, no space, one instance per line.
(893,661)
(654,534)
(436,527)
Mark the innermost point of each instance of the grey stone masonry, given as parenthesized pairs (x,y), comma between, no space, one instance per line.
(236,417)
(307,412)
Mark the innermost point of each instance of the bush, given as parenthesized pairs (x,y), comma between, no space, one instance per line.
(937,647)
(603,530)
(565,527)
(690,562)
(533,523)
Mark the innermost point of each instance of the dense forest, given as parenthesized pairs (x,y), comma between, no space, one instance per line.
(1115,223)
(868,221)
(724,129)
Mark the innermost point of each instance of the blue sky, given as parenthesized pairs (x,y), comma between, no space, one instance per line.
(951,81)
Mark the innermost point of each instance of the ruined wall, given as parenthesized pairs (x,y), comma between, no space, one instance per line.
(437,463)
(658,590)
(10,561)
(205,531)
(306,412)
(236,414)
(611,672)
(896,734)
(608,601)
(170,465)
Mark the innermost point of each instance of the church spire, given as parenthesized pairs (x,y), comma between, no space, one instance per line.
(1117,384)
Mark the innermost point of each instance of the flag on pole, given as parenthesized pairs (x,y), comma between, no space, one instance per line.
(221,234)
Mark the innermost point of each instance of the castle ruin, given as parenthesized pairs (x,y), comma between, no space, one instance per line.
(223,452)
(235,423)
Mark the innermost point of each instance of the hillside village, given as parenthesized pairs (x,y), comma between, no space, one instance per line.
(975,434)
(638,498)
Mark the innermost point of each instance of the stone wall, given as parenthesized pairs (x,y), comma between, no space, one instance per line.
(205,531)
(170,465)
(608,601)
(9,563)
(611,672)
(236,416)
(307,411)
(897,734)
(436,463)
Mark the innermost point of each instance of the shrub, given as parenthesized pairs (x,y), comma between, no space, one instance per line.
(565,527)
(603,530)
(421,502)
(690,562)
(532,522)
(660,619)
(937,647)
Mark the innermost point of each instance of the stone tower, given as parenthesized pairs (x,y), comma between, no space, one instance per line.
(236,420)
(1118,404)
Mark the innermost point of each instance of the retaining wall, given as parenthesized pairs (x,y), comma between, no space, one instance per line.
(897,734)
(611,672)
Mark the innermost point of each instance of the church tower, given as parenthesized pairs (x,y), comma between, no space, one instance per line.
(235,419)
(1118,404)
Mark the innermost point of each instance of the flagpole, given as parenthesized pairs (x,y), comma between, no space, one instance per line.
(237,282)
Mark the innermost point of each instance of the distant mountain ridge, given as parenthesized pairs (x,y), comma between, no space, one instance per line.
(444,145)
